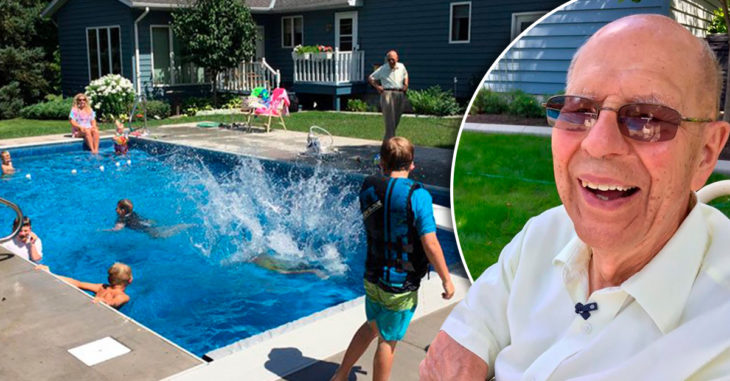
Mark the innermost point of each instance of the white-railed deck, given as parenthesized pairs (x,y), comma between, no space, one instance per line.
(332,68)
(249,75)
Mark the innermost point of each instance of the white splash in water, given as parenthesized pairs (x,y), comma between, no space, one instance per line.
(248,212)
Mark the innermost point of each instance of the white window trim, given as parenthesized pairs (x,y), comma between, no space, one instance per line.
(451,22)
(292,30)
(514,31)
(346,15)
(109,46)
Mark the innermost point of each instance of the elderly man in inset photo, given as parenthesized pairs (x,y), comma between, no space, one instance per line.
(630,278)
(391,81)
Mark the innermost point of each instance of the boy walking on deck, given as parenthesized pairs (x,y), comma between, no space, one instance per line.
(401,235)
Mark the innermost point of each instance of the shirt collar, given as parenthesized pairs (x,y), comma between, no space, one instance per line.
(662,287)
(664,284)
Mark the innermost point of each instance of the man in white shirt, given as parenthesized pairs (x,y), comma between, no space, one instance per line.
(391,81)
(25,244)
(630,278)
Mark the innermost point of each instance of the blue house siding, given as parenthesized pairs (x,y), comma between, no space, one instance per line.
(420,33)
(539,61)
(72,20)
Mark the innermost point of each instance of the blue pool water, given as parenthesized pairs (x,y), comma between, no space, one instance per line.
(199,288)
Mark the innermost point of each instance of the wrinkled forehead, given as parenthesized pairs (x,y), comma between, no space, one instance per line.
(655,55)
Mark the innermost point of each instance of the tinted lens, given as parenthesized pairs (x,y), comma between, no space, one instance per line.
(648,122)
(571,113)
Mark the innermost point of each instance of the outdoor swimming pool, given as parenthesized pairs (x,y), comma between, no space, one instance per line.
(200,288)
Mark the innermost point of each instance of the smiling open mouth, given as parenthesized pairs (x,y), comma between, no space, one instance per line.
(606,192)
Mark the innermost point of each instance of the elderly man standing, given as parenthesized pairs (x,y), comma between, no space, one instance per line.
(391,81)
(629,278)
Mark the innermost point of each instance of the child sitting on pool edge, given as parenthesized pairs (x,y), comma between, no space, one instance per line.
(120,139)
(7,163)
(113,293)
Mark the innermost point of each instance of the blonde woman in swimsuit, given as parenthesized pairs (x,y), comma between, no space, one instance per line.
(83,122)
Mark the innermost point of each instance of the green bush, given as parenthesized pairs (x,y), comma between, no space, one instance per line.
(54,108)
(717,25)
(192,105)
(489,102)
(111,96)
(525,105)
(433,101)
(357,105)
(158,109)
(11,100)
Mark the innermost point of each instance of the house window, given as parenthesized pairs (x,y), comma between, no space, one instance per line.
(460,24)
(523,20)
(292,31)
(345,30)
(104,51)
(169,65)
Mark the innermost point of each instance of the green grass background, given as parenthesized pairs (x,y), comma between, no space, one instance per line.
(500,181)
(422,131)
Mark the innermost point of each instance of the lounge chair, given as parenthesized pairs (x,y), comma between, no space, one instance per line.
(714,190)
(278,106)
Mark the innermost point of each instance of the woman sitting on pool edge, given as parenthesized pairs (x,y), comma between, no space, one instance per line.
(112,294)
(83,122)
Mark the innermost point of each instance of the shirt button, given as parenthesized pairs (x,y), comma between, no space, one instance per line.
(587,328)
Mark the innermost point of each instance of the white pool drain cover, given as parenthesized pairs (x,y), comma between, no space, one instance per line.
(99,351)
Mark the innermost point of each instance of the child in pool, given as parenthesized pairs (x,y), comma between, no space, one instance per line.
(7,163)
(120,139)
(127,218)
(113,293)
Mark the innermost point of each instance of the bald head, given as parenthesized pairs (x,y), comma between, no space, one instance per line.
(660,43)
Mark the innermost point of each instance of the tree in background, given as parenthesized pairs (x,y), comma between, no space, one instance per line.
(215,34)
(28,55)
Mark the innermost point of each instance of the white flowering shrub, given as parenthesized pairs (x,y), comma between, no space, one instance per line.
(111,96)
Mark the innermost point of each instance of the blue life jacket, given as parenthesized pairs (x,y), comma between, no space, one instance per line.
(395,260)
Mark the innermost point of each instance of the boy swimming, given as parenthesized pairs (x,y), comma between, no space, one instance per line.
(113,293)
(127,218)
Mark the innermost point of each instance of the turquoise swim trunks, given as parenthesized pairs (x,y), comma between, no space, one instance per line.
(391,312)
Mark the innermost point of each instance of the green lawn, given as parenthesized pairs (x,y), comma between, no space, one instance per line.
(430,132)
(500,181)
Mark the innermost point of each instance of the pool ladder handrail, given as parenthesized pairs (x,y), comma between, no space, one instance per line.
(19,213)
(140,99)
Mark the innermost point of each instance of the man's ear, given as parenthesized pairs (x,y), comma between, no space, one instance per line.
(714,137)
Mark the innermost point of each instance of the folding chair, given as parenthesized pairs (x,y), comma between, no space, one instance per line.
(277,107)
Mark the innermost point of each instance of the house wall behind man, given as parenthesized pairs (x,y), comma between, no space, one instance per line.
(539,61)
(419,31)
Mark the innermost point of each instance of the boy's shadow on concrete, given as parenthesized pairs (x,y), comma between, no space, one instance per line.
(282,360)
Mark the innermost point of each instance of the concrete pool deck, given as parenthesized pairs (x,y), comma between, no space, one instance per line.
(42,317)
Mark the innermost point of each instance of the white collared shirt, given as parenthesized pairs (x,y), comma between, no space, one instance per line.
(670,321)
(391,78)
(21,248)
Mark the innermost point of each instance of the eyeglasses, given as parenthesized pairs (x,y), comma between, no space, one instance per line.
(644,122)
(81,100)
